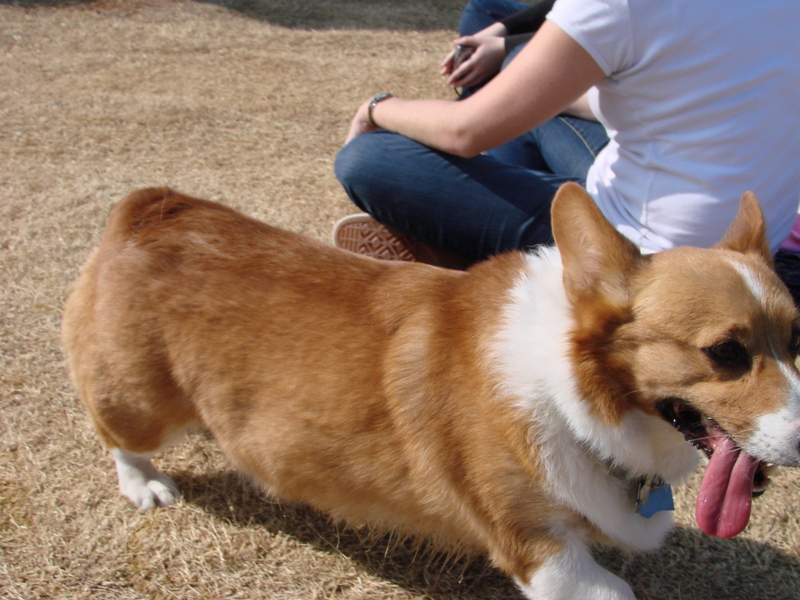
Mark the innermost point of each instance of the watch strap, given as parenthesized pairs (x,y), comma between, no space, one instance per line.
(373,103)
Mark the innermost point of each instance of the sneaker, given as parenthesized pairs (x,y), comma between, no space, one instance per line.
(364,235)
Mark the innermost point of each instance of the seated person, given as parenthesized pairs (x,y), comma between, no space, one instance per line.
(693,120)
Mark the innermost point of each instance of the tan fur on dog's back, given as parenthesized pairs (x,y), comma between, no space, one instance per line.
(190,312)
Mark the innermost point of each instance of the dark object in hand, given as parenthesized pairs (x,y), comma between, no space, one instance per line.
(462,54)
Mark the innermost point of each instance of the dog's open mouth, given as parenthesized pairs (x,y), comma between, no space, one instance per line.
(732,478)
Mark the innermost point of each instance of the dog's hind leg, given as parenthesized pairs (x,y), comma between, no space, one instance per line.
(134,432)
(114,334)
(134,427)
(137,409)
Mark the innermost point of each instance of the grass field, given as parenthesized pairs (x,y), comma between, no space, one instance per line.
(245,102)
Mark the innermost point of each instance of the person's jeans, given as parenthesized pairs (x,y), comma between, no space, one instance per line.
(475,207)
(564,145)
(479,14)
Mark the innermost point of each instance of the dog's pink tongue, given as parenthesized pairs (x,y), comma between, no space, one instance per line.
(723,505)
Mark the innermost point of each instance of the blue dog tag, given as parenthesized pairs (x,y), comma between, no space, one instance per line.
(659,498)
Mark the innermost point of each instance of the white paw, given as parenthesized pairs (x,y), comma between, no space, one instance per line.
(140,483)
(160,491)
(574,575)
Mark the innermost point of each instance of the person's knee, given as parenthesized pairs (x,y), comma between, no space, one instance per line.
(361,168)
(355,160)
(349,167)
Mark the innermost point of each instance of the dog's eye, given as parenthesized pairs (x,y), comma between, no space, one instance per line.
(728,354)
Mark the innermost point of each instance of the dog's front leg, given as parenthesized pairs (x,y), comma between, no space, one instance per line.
(573,574)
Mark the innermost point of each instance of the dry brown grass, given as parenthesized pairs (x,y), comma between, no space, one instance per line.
(245,102)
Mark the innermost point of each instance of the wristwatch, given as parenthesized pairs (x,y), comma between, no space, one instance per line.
(373,103)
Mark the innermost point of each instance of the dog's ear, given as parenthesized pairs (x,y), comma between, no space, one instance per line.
(748,232)
(597,258)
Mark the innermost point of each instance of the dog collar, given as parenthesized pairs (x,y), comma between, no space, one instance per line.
(650,493)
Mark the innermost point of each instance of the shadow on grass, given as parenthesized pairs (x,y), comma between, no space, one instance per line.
(409,15)
(390,15)
(38,3)
(694,566)
(415,567)
(690,566)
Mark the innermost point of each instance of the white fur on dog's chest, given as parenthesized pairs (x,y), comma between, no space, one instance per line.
(593,488)
(581,454)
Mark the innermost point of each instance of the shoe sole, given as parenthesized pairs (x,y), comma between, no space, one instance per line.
(364,235)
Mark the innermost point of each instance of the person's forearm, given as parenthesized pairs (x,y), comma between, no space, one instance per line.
(440,124)
(533,88)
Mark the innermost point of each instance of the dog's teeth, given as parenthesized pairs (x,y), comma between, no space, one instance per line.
(769,470)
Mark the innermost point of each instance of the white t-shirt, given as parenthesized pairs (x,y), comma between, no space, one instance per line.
(702,102)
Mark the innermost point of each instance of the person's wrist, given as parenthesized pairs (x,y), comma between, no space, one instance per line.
(496,29)
(373,103)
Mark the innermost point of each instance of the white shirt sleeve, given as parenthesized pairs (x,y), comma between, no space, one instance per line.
(602,28)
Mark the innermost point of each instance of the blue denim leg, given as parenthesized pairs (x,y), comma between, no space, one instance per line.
(569,144)
(563,145)
(475,207)
(479,14)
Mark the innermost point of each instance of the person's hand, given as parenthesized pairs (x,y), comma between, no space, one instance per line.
(360,123)
(482,65)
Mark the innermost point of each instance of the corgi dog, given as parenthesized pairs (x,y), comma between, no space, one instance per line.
(527,408)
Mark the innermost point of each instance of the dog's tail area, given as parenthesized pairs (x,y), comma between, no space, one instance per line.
(142,213)
(139,211)
(134,211)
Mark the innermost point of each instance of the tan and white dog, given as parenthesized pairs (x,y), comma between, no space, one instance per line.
(526,408)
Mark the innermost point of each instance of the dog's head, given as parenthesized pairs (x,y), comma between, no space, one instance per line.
(706,339)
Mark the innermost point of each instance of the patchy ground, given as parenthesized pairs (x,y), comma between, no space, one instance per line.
(245,102)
